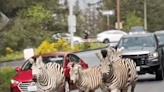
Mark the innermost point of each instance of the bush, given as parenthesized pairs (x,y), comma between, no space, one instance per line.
(45,47)
(9,50)
(62,45)
(6,74)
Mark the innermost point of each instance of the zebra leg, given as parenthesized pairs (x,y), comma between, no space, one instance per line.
(67,88)
(125,89)
(103,89)
(91,90)
(81,90)
(87,90)
(133,86)
(115,90)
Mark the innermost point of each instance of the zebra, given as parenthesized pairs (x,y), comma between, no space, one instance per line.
(86,80)
(117,73)
(48,77)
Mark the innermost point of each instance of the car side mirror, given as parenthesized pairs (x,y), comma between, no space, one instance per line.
(18,69)
(161,45)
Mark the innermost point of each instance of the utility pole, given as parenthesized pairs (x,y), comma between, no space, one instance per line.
(108,25)
(118,14)
(108,13)
(71,21)
(145,15)
(90,17)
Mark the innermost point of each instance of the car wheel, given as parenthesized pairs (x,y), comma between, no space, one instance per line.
(159,74)
(106,41)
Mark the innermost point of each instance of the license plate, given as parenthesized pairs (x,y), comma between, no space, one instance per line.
(32,88)
(138,68)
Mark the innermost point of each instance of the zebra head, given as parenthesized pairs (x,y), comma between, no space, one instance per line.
(115,54)
(37,67)
(105,64)
(74,73)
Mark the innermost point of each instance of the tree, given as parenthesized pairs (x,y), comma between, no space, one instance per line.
(80,21)
(37,13)
(26,30)
(154,12)
(131,20)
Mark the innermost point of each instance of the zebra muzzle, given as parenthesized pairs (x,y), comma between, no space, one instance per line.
(104,77)
(71,82)
(34,78)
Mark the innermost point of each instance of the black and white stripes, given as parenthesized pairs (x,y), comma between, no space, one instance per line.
(86,80)
(117,73)
(49,77)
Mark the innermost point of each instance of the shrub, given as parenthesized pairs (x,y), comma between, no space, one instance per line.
(45,47)
(87,46)
(77,47)
(6,74)
(62,45)
(8,50)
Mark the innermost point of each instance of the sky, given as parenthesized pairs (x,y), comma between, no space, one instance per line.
(83,3)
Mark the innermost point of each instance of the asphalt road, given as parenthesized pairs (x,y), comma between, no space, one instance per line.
(146,83)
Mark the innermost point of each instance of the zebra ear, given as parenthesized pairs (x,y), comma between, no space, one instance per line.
(39,60)
(99,56)
(79,66)
(120,50)
(112,49)
(31,60)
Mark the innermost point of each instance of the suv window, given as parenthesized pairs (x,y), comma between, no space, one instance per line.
(144,41)
(136,29)
(160,38)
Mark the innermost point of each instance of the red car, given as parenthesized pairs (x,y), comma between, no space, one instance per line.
(23,78)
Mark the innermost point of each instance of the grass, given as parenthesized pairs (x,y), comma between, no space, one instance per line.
(19,54)
(6,75)
(13,56)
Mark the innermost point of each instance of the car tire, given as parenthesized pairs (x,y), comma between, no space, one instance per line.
(159,74)
(106,41)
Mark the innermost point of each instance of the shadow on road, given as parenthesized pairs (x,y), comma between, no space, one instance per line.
(148,80)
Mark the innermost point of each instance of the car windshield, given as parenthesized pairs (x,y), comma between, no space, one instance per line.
(160,38)
(136,29)
(57,59)
(137,41)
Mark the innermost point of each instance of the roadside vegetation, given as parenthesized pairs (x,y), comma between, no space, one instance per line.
(33,21)
(48,47)
(6,74)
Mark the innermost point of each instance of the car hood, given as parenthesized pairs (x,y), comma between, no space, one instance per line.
(23,76)
(138,50)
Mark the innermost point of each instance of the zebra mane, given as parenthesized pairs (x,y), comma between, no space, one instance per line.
(104,53)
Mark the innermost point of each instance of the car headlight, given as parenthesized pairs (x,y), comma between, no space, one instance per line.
(14,81)
(154,55)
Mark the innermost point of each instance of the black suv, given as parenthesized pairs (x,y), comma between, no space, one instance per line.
(136,30)
(146,51)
